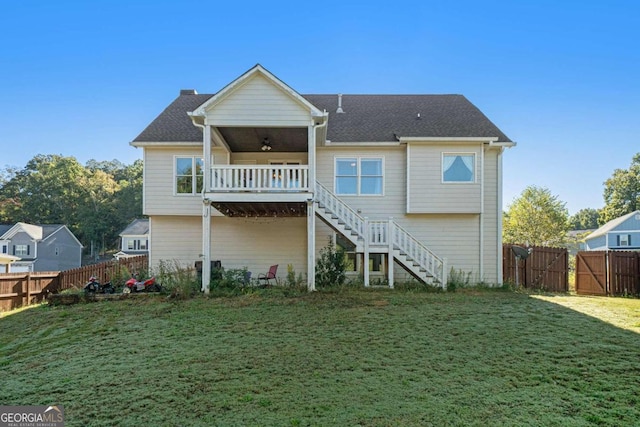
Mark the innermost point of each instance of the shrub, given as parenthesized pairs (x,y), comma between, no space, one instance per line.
(331,266)
(179,281)
(458,279)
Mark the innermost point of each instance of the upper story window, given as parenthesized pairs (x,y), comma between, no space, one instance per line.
(361,176)
(624,240)
(458,167)
(189,175)
(21,250)
(137,244)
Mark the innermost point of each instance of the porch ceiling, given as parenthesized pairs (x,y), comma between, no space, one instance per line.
(249,139)
(253,210)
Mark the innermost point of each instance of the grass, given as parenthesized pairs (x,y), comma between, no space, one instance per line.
(350,358)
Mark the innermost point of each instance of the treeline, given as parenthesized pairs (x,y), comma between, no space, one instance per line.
(96,201)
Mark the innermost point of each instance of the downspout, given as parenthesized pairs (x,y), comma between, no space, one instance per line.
(483,177)
(311,214)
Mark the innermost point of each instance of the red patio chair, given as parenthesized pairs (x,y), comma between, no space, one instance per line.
(265,279)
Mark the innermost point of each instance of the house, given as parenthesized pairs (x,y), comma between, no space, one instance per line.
(622,233)
(258,174)
(134,239)
(51,247)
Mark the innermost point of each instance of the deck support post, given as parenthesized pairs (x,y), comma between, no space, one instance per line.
(365,255)
(206,246)
(311,246)
(390,234)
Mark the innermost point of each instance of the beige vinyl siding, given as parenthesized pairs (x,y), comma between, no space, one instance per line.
(427,192)
(393,201)
(258,243)
(455,237)
(258,102)
(160,197)
(175,239)
(491,217)
(267,158)
(254,243)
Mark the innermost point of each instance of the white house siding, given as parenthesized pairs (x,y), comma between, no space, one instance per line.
(492,246)
(175,239)
(393,202)
(453,235)
(267,158)
(258,243)
(426,191)
(159,183)
(258,102)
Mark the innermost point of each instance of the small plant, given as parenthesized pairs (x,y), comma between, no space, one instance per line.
(458,279)
(293,280)
(230,278)
(179,281)
(331,266)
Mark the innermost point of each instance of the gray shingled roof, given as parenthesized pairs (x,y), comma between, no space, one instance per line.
(366,118)
(137,227)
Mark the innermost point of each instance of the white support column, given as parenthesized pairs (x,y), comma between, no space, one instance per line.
(206,210)
(311,208)
(365,256)
(206,156)
(390,233)
(206,246)
(311,245)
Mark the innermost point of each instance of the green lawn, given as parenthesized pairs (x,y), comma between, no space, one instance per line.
(356,358)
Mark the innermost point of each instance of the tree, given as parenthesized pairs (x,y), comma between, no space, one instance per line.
(584,219)
(622,192)
(96,202)
(536,217)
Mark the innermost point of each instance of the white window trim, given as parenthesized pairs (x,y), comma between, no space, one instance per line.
(358,176)
(462,153)
(624,243)
(20,253)
(175,175)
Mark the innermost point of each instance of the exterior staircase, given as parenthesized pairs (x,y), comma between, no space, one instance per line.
(384,236)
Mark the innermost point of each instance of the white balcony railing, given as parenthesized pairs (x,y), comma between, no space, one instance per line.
(277,178)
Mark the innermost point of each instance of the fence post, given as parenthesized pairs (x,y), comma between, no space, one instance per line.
(26,294)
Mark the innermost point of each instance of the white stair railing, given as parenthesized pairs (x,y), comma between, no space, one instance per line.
(350,218)
(378,233)
(420,254)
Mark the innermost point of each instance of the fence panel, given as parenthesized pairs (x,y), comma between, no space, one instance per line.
(591,273)
(19,289)
(624,273)
(545,268)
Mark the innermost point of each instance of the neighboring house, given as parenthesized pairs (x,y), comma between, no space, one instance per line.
(50,247)
(134,240)
(409,185)
(622,233)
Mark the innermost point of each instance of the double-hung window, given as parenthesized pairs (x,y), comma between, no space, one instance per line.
(359,176)
(21,250)
(459,167)
(189,175)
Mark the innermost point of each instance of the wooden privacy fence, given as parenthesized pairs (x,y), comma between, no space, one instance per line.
(612,273)
(545,268)
(104,272)
(21,289)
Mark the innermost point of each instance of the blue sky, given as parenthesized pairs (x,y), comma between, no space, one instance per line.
(561,78)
